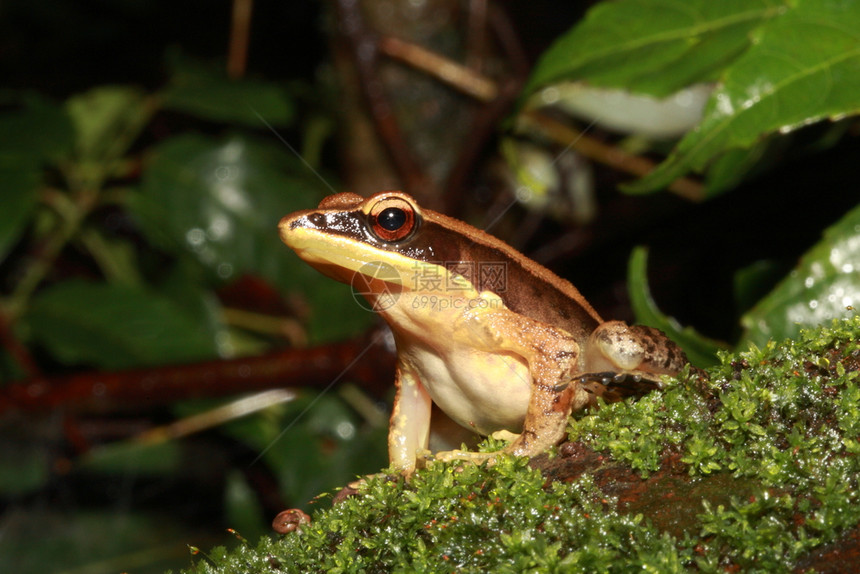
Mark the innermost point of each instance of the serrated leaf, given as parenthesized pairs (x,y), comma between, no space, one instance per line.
(701,350)
(822,287)
(116,326)
(221,200)
(803,66)
(653,46)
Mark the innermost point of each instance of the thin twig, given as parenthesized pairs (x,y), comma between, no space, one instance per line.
(286,327)
(215,417)
(240,33)
(476,34)
(71,215)
(607,154)
(485,120)
(506,35)
(455,75)
(365,53)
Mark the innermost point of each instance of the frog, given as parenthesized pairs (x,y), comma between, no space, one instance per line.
(498,342)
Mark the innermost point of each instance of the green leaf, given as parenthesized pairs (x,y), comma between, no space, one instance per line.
(116,326)
(822,287)
(701,350)
(20,197)
(325,449)
(803,66)
(653,46)
(30,138)
(242,508)
(221,200)
(733,166)
(39,131)
(205,92)
(143,459)
(26,462)
(754,281)
(107,120)
(87,540)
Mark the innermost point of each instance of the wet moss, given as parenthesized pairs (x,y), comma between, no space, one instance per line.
(764,452)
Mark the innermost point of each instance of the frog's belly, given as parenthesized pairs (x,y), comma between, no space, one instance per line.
(481,391)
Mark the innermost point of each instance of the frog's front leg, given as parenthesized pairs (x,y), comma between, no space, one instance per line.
(552,356)
(409,428)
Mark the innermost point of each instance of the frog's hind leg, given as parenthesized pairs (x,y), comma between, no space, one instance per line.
(633,350)
(546,420)
(552,356)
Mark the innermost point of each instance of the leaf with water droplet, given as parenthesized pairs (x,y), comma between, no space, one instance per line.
(825,283)
(220,200)
(779,84)
(652,47)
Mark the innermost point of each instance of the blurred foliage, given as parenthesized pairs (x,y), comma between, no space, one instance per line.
(155,232)
(825,284)
(128,211)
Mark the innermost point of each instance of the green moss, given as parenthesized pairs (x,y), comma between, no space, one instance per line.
(775,413)
(767,449)
(473,520)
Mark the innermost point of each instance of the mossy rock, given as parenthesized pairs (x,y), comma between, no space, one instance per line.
(755,469)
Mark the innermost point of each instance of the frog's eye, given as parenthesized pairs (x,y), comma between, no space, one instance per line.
(392,219)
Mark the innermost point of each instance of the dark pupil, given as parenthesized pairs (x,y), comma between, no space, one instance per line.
(392,218)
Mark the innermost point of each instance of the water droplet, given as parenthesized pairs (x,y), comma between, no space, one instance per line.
(224,172)
(225,270)
(345,430)
(219,228)
(195,237)
(224,343)
(724,105)
(524,194)
(550,95)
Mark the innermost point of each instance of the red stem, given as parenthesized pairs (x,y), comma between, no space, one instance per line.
(365,360)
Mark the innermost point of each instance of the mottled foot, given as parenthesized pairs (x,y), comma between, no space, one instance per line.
(467,456)
(480,457)
(505,435)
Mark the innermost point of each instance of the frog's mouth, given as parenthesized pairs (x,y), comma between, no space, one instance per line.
(341,257)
